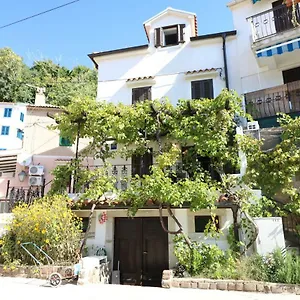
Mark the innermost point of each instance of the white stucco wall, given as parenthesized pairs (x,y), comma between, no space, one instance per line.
(259,73)
(102,235)
(167,65)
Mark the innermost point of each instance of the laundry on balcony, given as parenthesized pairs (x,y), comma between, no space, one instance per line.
(278,49)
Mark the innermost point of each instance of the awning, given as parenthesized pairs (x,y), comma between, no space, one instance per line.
(278,49)
(254,1)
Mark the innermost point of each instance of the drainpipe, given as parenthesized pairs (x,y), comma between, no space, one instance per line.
(225,61)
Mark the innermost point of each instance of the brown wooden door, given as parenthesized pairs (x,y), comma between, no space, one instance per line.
(141,248)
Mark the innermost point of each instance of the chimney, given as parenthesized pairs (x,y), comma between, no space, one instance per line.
(40,98)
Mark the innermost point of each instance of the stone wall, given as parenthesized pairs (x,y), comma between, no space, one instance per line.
(42,272)
(169,281)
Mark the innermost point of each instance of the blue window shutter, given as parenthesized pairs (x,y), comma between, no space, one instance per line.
(5,130)
(7,112)
(20,134)
(21,117)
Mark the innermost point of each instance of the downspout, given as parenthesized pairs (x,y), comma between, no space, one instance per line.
(225,61)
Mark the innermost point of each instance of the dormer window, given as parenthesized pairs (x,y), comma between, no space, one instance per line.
(169,36)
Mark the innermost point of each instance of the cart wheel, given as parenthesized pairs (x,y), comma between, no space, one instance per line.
(55,279)
(68,272)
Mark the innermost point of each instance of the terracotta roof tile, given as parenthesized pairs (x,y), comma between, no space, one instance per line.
(202,71)
(139,78)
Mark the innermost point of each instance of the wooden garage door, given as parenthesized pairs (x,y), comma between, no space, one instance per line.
(141,248)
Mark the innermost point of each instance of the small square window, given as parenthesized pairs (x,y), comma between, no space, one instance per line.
(2,149)
(114,146)
(170,36)
(7,112)
(20,134)
(21,117)
(202,221)
(5,130)
(64,142)
(85,224)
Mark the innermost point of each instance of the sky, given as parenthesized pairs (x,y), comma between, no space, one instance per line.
(67,35)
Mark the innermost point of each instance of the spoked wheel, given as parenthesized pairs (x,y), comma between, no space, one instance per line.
(55,279)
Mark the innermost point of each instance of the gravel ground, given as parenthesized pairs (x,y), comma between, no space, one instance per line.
(21,288)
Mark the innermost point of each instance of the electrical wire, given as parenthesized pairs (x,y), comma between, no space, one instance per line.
(39,14)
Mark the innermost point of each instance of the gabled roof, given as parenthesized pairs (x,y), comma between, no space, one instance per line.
(170,10)
(166,11)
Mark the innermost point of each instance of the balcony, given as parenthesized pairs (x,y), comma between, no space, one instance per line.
(273,21)
(267,103)
(16,195)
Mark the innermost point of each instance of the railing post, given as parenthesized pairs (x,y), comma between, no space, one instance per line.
(7,188)
(253,30)
(43,188)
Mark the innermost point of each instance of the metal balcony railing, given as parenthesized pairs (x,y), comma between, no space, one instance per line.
(273,21)
(268,102)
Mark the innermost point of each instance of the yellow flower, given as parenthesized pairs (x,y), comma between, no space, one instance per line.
(43,231)
(47,241)
(18,242)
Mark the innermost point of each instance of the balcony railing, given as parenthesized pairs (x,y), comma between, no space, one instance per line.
(273,21)
(16,195)
(267,103)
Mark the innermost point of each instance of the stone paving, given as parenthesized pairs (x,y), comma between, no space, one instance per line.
(23,288)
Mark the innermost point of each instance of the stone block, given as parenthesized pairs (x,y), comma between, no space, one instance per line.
(175,283)
(267,288)
(194,284)
(204,285)
(289,288)
(185,284)
(166,284)
(222,285)
(276,289)
(297,290)
(212,285)
(167,274)
(232,286)
(260,287)
(250,287)
(239,286)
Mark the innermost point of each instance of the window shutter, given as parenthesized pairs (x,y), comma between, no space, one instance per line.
(202,89)
(157,37)
(180,32)
(149,93)
(136,165)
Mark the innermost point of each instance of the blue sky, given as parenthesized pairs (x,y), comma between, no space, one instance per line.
(67,35)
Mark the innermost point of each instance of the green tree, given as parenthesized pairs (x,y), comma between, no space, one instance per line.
(13,74)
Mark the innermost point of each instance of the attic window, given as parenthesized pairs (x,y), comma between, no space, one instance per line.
(169,36)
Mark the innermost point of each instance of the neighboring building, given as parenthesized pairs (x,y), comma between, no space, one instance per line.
(175,63)
(42,150)
(12,124)
(268,42)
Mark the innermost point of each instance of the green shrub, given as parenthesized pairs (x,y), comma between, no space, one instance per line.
(211,262)
(205,260)
(50,224)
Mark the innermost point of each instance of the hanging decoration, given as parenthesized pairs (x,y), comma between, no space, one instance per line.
(102,217)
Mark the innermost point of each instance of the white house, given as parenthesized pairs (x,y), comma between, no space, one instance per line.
(175,63)
(268,42)
(12,124)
